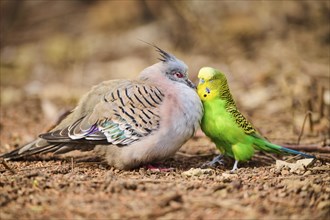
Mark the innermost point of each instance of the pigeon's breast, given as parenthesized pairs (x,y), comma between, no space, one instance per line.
(180,115)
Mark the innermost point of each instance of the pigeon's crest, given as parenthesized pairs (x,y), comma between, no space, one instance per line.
(165,57)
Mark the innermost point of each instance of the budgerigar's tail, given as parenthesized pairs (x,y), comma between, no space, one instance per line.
(296,152)
(262,144)
(287,150)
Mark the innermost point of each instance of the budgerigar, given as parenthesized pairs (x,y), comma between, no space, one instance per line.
(233,135)
(129,122)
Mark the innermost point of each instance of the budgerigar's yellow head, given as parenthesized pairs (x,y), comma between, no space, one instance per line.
(211,81)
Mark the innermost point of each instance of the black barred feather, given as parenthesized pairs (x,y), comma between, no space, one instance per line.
(123,116)
(125,126)
(224,94)
(241,120)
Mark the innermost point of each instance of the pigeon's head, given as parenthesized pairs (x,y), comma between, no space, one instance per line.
(170,67)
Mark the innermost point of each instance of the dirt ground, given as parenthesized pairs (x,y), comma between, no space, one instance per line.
(80,187)
(275,55)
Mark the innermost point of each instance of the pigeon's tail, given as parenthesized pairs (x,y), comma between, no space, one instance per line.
(32,148)
(42,146)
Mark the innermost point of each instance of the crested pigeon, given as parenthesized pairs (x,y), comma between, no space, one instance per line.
(128,122)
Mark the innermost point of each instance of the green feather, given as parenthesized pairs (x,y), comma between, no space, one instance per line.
(222,122)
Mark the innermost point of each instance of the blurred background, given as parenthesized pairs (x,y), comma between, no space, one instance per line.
(274,53)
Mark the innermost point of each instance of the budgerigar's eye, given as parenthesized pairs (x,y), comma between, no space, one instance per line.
(201,81)
(178,75)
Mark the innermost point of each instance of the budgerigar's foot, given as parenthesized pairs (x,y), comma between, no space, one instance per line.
(158,168)
(218,160)
(234,167)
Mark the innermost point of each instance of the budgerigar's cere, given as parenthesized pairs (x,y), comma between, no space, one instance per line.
(233,135)
(129,122)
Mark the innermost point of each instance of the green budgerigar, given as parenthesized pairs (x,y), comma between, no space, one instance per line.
(233,135)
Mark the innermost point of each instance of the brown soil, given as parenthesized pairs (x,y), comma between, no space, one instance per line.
(75,186)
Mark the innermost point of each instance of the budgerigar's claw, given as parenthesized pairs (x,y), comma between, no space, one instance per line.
(234,167)
(218,160)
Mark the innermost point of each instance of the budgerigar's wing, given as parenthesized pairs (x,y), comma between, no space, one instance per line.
(241,121)
(123,115)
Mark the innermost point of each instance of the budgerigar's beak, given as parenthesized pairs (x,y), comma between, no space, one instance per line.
(190,84)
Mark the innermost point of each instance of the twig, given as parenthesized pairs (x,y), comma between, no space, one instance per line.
(292,158)
(321,168)
(3,162)
(267,155)
(323,157)
(303,126)
(322,104)
(322,149)
(72,167)
(311,123)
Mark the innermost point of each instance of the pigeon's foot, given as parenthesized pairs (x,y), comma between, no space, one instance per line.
(158,168)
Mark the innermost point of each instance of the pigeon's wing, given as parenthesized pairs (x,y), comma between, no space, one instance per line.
(114,112)
(122,116)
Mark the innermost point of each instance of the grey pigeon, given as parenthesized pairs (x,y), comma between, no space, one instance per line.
(128,122)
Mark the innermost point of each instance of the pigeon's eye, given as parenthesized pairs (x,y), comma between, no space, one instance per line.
(178,75)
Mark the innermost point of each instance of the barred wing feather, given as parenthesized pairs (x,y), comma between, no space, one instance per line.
(123,116)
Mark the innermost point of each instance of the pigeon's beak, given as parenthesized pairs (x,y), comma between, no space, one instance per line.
(190,84)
